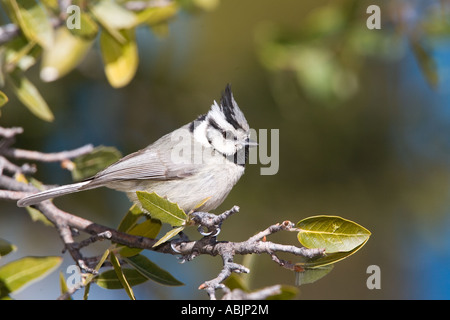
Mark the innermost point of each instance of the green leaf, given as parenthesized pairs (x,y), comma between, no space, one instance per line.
(120,59)
(88,28)
(3,99)
(149,228)
(63,285)
(36,215)
(112,16)
(67,52)
(91,275)
(287,293)
(157,15)
(121,276)
(33,21)
(30,96)
(162,209)
(169,235)
(235,281)
(20,273)
(151,271)
(98,159)
(334,234)
(6,247)
(109,280)
(130,218)
(326,259)
(310,275)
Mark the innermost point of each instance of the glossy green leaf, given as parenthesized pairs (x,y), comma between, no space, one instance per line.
(162,209)
(286,293)
(63,285)
(149,228)
(327,259)
(121,276)
(151,271)
(235,281)
(156,15)
(91,275)
(109,280)
(169,235)
(310,275)
(33,21)
(334,234)
(6,247)
(27,93)
(88,28)
(113,16)
(20,273)
(98,159)
(120,59)
(3,98)
(67,52)
(36,215)
(130,218)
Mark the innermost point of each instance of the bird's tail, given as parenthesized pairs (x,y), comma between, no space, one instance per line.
(52,193)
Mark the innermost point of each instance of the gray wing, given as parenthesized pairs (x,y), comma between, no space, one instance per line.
(152,163)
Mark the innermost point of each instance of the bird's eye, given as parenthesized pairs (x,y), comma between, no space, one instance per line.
(229,135)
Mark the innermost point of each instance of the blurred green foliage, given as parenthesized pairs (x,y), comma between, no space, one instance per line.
(329,49)
(63,37)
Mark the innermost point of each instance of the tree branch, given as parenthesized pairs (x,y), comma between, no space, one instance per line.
(65,223)
(47,157)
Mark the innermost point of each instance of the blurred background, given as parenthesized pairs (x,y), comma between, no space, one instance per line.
(364,123)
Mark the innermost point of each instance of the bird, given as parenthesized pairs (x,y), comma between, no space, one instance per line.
(195,166)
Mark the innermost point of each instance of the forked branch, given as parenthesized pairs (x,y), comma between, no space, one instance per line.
(65,223)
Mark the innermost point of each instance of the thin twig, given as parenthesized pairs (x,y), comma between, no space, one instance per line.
(5,164)
(65,222)
(47,157)
(10,132)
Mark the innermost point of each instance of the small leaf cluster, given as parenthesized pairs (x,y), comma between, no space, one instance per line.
(139,268)
(60,38)
(129,266)
(18,274)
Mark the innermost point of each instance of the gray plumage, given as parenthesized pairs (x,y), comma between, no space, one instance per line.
(201,160)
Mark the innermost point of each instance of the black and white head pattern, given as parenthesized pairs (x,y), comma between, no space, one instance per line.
(224,128)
